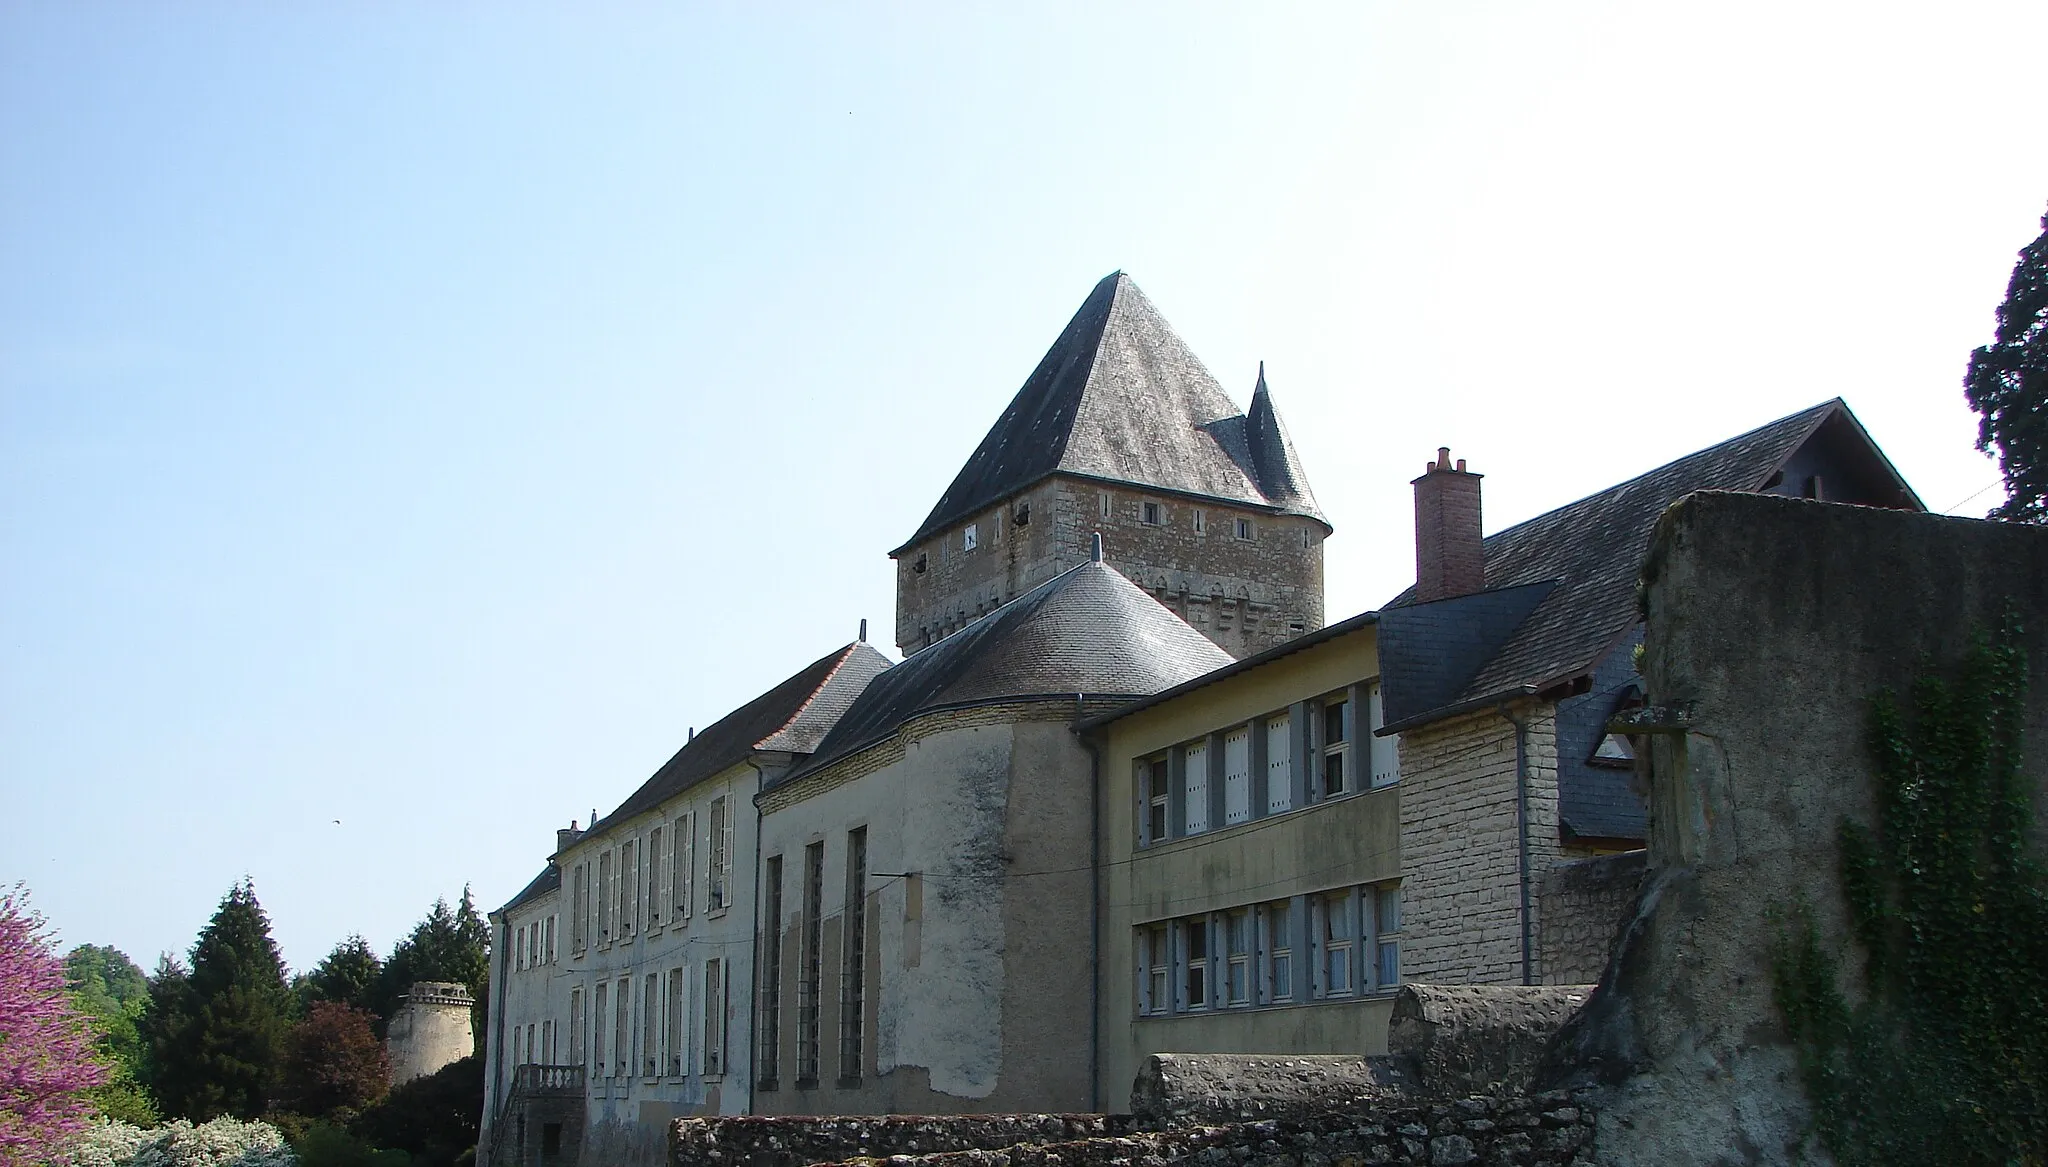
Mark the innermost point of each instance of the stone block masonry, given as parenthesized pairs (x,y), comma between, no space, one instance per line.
(1582,907)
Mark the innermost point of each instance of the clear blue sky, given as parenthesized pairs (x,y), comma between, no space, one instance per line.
(420,415)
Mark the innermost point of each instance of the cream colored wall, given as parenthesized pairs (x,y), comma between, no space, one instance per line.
(1343,842)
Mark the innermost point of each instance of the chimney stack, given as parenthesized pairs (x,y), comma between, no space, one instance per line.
(1450,559)
(565,836)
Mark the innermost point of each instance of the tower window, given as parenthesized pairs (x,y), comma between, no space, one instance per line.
(1307,540)
(1149,512)
(1103,500)
(1023,515)
(1201,522)
(1244,529)
(969,539)
(923,563)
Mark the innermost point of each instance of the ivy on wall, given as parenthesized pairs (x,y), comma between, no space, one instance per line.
(1944,1059)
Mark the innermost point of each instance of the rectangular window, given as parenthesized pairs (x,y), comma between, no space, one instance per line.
(650,1026)
(519,948)
(654,883)
(1155,969)
(547,947)
(1104,502)
(1336,936)
(968,538)
(1237,940)
(629,888)
(811,971)
(1336,735)
(575,1027)
(678,1021)
(579,909)
(599,1015)
(853,973)
(1153,794)
(604,898)
(1386,751)
(1148,513)
(719,871)
(1277,960)
(1279,764)
(548,1053)
(767,1055)
(1237,776)
(1387,931)
(622,1030)
(685,864)
(1194,971)
(1201,522)
(714,1016)
(1245,529)
(1195,786)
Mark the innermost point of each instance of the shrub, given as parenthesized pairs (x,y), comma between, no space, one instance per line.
(224,1142)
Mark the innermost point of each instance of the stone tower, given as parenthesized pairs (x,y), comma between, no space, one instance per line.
(1121,430)
(431,1029)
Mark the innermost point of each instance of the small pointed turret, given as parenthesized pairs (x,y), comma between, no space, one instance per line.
(1279,472)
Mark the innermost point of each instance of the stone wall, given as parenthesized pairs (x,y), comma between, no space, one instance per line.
(794,1142)
(1460,1040)
(1582,906)
(1553,1130)
(434,1026)
(1189,1090)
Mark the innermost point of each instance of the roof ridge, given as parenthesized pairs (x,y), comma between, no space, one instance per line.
(838,666)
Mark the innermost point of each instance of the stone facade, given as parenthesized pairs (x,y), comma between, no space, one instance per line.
(1581,906)
(435,1026)
(1245,594)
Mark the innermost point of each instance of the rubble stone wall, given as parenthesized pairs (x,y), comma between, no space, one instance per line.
(789,1141)
(1583,904)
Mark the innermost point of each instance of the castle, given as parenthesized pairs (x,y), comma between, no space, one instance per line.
(1125,793)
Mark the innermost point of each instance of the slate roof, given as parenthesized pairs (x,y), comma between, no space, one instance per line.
(1087,631)
(795,716)
(1120,397)
(1595,548)
(548,880)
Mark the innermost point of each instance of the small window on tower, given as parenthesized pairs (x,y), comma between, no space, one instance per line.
(1023,516)
(1244,529)
(923,563)
(968,538)
(1201,522)
(1104,501)
(1150,513)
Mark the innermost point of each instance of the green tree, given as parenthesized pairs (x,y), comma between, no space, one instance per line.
(434,1117)
(451,944)
(165,1028)
(113,993)
(2008,385)
(217,1047)
(333,1064)
(348,975)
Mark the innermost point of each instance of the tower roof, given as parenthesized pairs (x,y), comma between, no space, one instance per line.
(1120,397)
(1087,631)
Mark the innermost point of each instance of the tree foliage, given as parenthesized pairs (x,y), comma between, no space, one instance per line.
(452,945)
(47,1059)
(333,1062)
(110,990)
(2008,386)
(215,1035)
(1946,1058)
(347,975)
(435,1117)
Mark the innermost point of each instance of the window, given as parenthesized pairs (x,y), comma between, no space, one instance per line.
(1201,522)
(1308,539)
(548,1053)
(1237,954)
(714,1016)
(654,883)
(548,946)
(1237,776)
(533,944)
(622,1030)
(598,1016)
(1105,503)
(604,898)
(1148,513)
(1023,516)
(811,973)
(650,1026)
(768,1054)
(1276,964)
(923,564)
(1195,786)
(685,864)
(968,538)
(629,888)
(519,948)
(1387,934)
(1155,967)
(1194,981)
(579,909)
(575,1027)
(1336,723)
(853,975)
(1279,764)
(1245,530)
(1386,751)
(718,872)
(531,1044)
(1336,935)
(1153,786)
(678,1021)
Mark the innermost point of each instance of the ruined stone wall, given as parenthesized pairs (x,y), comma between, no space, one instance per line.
(795,1142)
(1583,905)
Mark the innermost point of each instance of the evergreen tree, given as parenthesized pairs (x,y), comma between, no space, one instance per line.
(2008,385)
(347,975)
(166,1032)
(451,944)
(238,1009)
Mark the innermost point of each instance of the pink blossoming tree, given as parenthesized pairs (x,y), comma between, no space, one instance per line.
(47,1059)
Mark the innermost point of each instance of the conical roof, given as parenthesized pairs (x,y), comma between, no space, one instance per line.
(1120,397)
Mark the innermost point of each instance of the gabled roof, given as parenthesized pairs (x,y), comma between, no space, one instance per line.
(1086,632)
(1120,397)
(794,717)
(548,880)
(1594,547)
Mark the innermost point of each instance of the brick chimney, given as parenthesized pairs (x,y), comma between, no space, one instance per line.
(1449,558)
(565,837)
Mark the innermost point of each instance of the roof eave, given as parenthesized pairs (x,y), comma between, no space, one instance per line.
(1308,640)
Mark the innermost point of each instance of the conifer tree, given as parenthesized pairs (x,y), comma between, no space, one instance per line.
(2008,385)
(236,1011)
(165,1029)
(347,975)
(451,944)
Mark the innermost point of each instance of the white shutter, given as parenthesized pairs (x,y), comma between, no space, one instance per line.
(1237,776)
(1279,765)
(1386,751)
(1196,787)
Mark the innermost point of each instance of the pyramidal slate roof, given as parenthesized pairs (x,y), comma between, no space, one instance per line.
(795,716)
(1594,549)
(1087,631)
(1120,397)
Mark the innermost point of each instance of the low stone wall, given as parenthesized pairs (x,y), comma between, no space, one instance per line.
(1461,1040)
(759,1141)
(1188,1090)
(1581,907)
(1553,1130)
